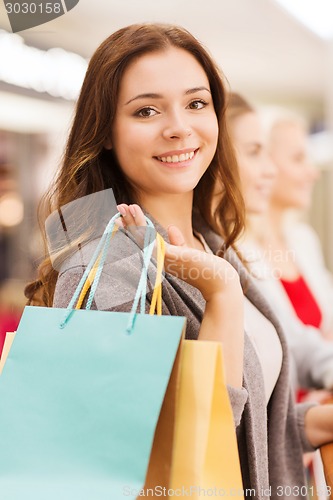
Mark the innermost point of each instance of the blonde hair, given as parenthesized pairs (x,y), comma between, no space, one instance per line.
(273,117)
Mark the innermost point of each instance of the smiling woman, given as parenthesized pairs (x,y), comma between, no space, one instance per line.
(169,126)
(150,124)
(123,125)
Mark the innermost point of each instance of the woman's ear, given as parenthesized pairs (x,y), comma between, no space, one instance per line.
(108,144)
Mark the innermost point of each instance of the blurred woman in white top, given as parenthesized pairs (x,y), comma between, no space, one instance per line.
(275,179)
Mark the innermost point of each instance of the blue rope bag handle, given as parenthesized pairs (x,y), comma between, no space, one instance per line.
(99,257)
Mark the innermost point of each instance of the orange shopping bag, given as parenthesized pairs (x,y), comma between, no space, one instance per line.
(205,453)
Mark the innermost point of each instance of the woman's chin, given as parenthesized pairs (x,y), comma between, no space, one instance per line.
(257,207)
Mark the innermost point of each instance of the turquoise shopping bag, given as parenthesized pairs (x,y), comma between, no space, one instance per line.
(80,397)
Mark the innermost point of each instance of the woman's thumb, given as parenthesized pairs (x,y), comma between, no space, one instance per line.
(175,236)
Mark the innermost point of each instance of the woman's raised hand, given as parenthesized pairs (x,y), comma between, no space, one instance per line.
(212,275)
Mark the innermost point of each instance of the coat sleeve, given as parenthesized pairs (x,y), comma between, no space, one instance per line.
(313,357)
(238,399)
(301,410)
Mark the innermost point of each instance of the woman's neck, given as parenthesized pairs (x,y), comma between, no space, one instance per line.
(175,210)
(266,229)
(278,252)
(276,223)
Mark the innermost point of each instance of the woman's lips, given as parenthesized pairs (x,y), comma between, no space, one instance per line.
(181,159)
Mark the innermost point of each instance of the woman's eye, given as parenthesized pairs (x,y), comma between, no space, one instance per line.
(255,151)
(197,104)
(146,112)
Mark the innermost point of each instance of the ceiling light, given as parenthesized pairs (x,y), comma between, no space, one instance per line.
(55,71)
(11,210)
(316,15)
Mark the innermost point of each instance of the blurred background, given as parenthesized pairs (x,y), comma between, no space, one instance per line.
(273,52)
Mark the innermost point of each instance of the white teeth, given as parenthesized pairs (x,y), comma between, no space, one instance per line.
(176,158)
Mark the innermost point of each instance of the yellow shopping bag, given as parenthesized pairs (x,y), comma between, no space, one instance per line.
(205,454)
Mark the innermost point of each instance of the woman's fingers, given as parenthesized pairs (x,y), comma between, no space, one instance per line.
(133,220)
(138,215)
(126,213)
(132,216)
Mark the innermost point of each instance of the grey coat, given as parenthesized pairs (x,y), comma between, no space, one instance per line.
(270,439)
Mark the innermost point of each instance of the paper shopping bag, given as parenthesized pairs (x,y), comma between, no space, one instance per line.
(160,462)
(80,401)
(205,455)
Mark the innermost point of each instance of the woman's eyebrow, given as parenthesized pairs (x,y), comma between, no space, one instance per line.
(196,89)
(151,95)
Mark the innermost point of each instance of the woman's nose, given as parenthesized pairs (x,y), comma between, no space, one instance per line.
(176,127)
(269,167)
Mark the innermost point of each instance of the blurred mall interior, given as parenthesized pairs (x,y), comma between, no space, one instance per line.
(265,51)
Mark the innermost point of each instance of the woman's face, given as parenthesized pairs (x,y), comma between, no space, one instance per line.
(257,173)
(295,174)
(165,130)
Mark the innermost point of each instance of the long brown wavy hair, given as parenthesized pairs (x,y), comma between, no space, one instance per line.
(88,167)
